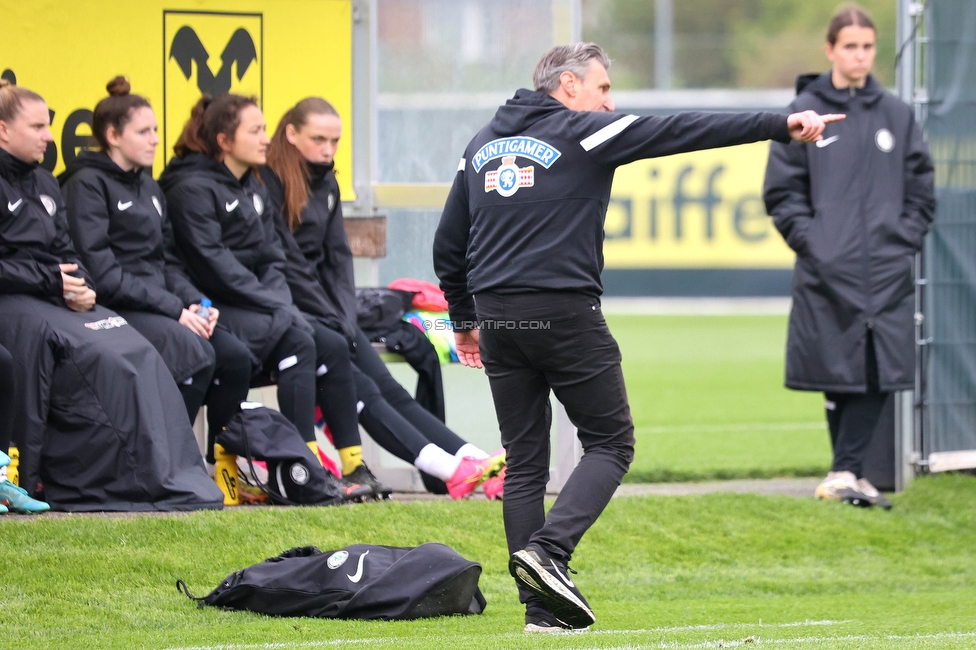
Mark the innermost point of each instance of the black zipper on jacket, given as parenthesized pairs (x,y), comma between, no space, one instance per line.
(868,308)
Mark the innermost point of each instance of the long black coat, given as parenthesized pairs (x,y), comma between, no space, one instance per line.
(97,417)
(224,231)
(118,223)
(855,208)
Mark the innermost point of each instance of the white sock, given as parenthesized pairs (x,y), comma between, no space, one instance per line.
(467,449)
(3,474)
(436,462)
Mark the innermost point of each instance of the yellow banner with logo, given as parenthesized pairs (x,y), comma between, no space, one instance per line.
(695,210)
(278,51)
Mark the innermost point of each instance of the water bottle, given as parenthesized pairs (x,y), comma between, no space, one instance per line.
(13,469)
(204,312)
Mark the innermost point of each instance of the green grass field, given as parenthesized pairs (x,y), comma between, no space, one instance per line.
(660,572)
(710,571)
(708,400)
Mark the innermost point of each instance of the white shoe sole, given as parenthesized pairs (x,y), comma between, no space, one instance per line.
(532,628)
(559,600)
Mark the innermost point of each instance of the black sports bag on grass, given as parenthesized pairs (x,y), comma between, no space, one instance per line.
(362,581)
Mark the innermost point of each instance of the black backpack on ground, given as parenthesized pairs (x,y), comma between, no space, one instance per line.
(362,581)
(295,475)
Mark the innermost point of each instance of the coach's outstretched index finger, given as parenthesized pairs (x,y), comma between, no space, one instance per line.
(808,126)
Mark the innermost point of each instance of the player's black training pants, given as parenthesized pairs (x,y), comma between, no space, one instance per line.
(531,343)
(335,391)
(374,385)
(853,417)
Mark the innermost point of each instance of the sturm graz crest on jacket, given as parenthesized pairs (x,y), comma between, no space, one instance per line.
(187,48)
(509,177)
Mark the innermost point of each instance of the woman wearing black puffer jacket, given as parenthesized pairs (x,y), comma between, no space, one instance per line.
(118,221)
(855,207)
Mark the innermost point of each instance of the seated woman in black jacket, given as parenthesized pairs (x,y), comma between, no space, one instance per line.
(118,221)
(304,191)
(97,417)
(225,234)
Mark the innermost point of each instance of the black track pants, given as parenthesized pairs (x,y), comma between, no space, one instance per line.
(854,417)
(6,398)
(384,424)
(335,391)
(292,365)
(558,341)
(852,421)
(230,383)
(195,391)
(369,362)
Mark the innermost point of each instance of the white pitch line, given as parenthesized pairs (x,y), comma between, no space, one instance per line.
(722,626)
(372,641)
(758,641)
(719,428)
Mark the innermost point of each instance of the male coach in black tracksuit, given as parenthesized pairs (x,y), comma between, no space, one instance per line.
(519,251)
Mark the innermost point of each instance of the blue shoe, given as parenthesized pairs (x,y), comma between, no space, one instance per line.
(15,498)
(4,461)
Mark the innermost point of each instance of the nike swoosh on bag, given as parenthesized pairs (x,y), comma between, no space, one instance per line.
(13,206)
(230,206)
(823,143)
(562,577)
(356,577)
(124,206)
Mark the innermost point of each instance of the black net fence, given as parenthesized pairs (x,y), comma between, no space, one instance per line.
(948,369)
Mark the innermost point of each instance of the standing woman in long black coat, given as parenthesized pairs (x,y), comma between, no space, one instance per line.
(854,207)
(118,221)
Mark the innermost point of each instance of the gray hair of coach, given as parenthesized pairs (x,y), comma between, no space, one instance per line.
(573,58)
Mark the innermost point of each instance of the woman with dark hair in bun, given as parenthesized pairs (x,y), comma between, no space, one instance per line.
(225,233)
(117,217)
(97,418)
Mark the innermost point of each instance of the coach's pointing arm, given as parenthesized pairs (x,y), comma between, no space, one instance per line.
(613,139)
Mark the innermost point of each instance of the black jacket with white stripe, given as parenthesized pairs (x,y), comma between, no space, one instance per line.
(530,197)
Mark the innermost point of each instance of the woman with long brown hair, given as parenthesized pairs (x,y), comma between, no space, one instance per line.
(225,232)
(303,188)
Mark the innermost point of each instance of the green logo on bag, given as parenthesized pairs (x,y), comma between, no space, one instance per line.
(338,559)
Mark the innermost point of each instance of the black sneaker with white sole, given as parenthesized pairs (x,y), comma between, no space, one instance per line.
(545,623)
(549,580)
